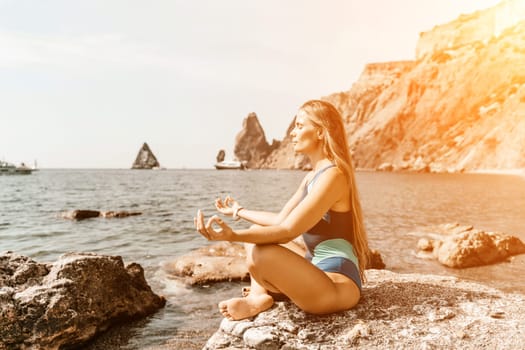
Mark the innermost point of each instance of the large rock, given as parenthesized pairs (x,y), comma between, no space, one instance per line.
(224,261)
(251,146)
(396,312)
(66,303)
(145,159)
(461,246)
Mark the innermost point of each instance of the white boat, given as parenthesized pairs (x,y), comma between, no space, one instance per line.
(230,165)
(11,169)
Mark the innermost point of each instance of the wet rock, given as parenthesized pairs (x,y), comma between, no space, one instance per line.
(460,246)
(375,261)
(399,311)
(81,214)
(66,303)
(224,261)
(119,214)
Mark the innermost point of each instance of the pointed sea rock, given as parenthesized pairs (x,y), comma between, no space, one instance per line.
(145,159)
(251,145)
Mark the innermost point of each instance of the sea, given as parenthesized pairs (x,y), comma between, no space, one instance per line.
(397,208)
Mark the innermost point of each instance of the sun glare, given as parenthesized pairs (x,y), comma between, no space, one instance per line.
(508,14)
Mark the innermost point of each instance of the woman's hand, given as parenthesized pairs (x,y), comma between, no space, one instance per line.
(225,232)
(226,207)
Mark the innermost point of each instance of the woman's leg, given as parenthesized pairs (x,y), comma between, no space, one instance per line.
(297,246)
(278,269)
(255,301)
(255,298)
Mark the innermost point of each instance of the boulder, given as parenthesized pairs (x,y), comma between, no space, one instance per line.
(224,261)
(145,159)
(66,303)
(461,246)
(396,311)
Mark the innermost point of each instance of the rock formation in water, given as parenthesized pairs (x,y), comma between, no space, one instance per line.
(460,246)
(459,106)
(82,214)
(66,303)
(145,159)
(397,311)
(251,146)
(220,156)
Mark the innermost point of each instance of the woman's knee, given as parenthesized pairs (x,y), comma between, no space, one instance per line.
(262,253)
(321,305)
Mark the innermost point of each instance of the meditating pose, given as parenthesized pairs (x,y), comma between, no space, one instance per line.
(325,210)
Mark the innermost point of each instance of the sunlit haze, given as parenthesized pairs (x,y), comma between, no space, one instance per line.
(84,83)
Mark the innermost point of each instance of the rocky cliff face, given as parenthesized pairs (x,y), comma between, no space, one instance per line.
(284,157)
(460,106)
(145,159)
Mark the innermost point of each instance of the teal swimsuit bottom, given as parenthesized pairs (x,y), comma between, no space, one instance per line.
(327,242)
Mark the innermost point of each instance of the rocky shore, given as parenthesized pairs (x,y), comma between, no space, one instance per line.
(66,303)
(397,311)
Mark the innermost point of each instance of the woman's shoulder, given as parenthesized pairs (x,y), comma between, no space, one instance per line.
(331,173)
(335,174)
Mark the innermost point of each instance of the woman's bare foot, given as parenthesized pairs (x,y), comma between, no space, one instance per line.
(241,308)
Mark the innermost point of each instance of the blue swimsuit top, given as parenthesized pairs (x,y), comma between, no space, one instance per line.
(333,224)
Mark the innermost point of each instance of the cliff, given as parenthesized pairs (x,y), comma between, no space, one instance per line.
(459,106)
(145,159)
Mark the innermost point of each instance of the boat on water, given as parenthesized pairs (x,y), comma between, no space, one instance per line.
(11,169)
(230,165)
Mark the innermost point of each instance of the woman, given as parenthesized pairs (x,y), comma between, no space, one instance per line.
(325,209)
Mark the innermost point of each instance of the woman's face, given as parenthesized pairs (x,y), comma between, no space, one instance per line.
(305,135)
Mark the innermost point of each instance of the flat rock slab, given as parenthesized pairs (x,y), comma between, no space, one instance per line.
(66,303)
(397,311)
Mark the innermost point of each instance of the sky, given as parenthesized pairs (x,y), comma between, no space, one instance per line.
(83,84)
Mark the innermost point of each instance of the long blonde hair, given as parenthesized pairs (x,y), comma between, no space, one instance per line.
(335,146)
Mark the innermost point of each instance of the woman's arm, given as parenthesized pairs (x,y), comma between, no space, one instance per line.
(329,188)
(263,218)
(271,219)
